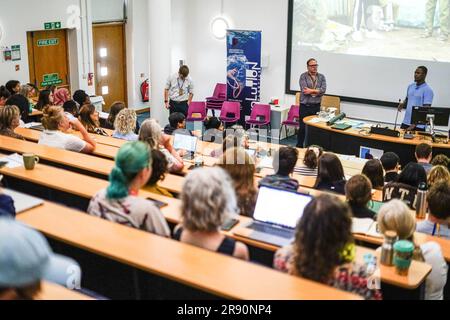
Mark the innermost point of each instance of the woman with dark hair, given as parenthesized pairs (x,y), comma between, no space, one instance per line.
(4,95)
(330,176)
(89,118)
(358,191)
(45,100)
(373,170)
(81,97)
(310,162)
(159,170)
(324,249)
(22,103)
(413,175)
(13,86)
(71,109)
(116,107)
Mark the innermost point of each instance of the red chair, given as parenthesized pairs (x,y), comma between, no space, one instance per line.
(219,97)
(231,112)
(260,116)
(196,112)
(293,119)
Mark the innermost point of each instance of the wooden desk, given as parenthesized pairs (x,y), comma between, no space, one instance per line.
(189,265)
(51,291)
(350,141)
(101,150)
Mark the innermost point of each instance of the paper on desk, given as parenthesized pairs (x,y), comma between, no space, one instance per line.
(317,120)
(14,161)
(31,124)
(266,162)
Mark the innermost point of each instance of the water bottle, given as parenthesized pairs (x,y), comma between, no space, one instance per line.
(387,250)
(421,204)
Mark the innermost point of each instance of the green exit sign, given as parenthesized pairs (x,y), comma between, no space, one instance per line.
(51,79)
(52,25)
(47,42)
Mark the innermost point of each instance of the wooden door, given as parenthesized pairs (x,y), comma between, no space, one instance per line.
(48,58)
(110,62)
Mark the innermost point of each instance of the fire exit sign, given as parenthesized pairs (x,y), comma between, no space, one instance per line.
(52,25)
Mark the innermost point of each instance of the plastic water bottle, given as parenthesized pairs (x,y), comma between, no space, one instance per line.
(421,204)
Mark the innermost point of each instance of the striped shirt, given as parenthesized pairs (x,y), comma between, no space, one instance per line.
(306,172)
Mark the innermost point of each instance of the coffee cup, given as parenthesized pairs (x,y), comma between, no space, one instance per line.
(30,160)
(403,254)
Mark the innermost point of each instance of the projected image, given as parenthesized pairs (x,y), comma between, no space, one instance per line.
(406,29)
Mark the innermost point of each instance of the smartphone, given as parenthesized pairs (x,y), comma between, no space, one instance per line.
(228,225)
(158,203)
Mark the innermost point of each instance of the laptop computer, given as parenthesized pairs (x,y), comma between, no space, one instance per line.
(23,202)
(186,142)
(275,221)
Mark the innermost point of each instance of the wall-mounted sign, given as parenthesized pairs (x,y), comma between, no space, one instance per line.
(52,25)
(47,42)
(15,53)
(51,79)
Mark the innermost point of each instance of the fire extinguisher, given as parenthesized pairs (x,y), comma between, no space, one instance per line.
(145,91)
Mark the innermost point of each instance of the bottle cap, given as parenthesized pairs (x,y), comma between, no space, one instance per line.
(390,234)
(404,246)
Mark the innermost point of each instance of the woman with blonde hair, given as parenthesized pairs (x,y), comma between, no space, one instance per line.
(125,125)
(89,118)
(438,173)
(151,133)
(241,168)
(9,121)
(56,124)
(208,201)
(396,216)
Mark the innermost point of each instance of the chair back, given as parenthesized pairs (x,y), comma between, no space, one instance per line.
(197,110)
(261,110)
(332,102)
(220,92)
(231,107)
(294,114)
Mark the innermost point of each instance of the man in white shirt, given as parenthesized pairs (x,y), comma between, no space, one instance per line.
(179,92)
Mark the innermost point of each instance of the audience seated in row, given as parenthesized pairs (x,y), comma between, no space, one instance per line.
(56,124)
(125,125)
(310,162)
(120,202)
(81,98)
(373,169)
(214,130)
(159,170)
(151,134)
(236,138)
(26,259)
(46,99)
(329,259)
(208,201)
(396,216)
(391,166)
(438,222)
(4,95)
(89,118)
(9,121)
(441,160)
(177,122)
(330,176)
(284,163)
(424,154)
(438,173)
(358,191)
(115,109)
(241,168)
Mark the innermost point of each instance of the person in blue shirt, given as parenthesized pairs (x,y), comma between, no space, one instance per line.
(419,94)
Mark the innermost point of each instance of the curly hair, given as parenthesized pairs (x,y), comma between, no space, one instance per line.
(438,173)
(311,158)
(125,121)
(441,160)
(322,234)
(116,107)
(208,200)
(159,167)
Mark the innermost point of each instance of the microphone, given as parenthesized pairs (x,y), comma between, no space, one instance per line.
(336,119)
(398,110)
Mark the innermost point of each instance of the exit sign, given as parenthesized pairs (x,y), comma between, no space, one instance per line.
(47,42)
(52,25)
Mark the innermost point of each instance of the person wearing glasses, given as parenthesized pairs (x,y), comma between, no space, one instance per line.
(313,86)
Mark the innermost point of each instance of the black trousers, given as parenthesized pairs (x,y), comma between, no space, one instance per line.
(181,106)
(305,111)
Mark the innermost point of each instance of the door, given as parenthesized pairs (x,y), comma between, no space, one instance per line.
(48,58)
(110,62)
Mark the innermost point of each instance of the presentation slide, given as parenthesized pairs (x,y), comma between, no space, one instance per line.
(363,44)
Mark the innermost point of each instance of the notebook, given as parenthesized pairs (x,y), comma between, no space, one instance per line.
(186,142)
(275,221)
(23,202)
(366,226)
(342,126)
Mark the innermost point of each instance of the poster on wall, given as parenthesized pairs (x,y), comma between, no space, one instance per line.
(244,68)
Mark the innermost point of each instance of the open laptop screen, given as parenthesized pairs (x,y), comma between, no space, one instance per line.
(185,142)
(280,207)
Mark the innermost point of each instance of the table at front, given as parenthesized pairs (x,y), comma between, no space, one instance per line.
(349,141)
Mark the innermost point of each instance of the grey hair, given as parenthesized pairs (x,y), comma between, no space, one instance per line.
(396,216)
(25,90)
(208,200)
(125,121)
(150,133)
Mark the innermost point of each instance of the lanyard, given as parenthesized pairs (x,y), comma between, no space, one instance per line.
(182,85)
(314,81)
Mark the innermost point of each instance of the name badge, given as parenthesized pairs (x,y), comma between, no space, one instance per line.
(181,92)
